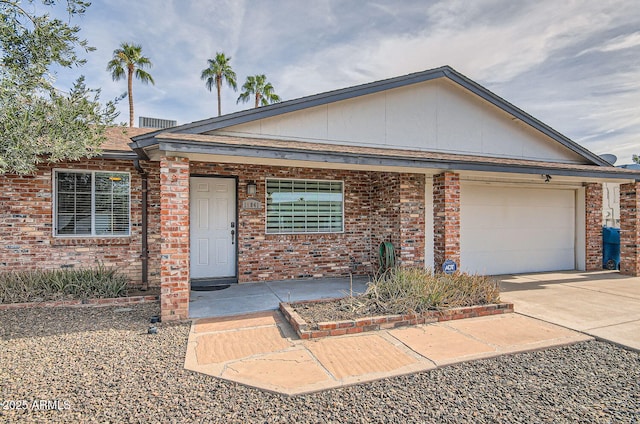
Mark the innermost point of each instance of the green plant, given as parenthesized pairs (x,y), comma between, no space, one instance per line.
(61,284)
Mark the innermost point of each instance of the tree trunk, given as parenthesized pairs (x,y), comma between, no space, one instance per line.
(218,87)
(130,90)
(257,99)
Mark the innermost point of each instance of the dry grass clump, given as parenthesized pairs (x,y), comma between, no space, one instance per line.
(61,284)
(414,290)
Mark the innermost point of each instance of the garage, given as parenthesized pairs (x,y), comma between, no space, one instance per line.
(507,229)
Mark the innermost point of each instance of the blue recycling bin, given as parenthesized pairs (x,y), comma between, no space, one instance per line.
(610,248)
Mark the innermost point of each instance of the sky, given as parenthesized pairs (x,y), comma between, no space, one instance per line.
(573,64)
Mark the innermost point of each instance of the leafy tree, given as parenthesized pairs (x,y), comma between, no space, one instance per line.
(38,122)
(219,69)
(635,159)
(262,91)
(128,59)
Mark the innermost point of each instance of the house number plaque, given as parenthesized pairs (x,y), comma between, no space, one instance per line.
(251,204)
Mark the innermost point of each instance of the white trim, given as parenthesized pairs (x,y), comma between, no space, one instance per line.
(524,184)
(54,203)
(581,230)
(266,182)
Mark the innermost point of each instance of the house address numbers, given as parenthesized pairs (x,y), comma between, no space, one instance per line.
(252,204)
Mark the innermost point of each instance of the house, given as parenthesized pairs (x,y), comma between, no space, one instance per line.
(431,161)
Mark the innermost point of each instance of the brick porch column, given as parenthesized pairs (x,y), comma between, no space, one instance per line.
(593,222)
(446,219)
(412,220)
(174,236)
(629,228)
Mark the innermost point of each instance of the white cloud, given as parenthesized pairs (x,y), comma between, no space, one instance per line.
(459,36)
(622,42)
(532,53)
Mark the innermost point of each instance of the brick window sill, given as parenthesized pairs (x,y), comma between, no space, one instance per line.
(303,236)
(93,241)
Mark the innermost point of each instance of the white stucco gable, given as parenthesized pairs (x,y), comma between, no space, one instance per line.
(436,115)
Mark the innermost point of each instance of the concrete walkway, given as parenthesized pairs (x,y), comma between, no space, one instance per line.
(261,350)
(604,304)
(246,298)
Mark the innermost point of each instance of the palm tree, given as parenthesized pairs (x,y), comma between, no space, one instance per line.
(129,57)
(219,69)
(262,90)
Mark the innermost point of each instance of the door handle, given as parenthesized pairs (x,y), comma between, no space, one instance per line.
(233,233)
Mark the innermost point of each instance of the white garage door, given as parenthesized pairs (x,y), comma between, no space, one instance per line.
(514,229)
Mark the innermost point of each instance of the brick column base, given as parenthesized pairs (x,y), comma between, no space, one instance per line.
(174,233)
(412,220)
(446,219)
(593,222)
(629,229)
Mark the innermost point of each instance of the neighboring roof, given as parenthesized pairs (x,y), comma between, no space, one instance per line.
(331,153)
(118,138)
(224,121)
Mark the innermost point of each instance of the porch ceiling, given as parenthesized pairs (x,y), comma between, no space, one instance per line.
(210,148)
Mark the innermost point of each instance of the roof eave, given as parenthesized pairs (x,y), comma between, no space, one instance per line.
(118,154)
(523,116)
(263,152)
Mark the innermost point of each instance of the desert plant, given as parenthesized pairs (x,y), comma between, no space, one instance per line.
(61,284)
(402,290)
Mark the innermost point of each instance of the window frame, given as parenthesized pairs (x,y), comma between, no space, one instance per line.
(266,206)
(93,234)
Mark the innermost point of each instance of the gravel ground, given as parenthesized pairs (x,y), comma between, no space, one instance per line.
(335,310)
(101,366)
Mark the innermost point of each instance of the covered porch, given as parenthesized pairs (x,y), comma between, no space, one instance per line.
(427,214)
(247,298)
(371,205)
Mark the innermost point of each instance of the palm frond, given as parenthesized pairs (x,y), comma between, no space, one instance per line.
(116,69)
(126,56)
(144,77)
(244,96)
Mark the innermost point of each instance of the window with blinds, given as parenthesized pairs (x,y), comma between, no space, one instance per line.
(304,206)
(92,203)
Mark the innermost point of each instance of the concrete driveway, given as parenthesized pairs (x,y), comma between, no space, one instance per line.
(603,304)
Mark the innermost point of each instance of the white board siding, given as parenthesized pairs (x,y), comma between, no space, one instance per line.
(432,116)
(507,229)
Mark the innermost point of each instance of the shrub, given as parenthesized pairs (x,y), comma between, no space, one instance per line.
(401,290)
(61,284)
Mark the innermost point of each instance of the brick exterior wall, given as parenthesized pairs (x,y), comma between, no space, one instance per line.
(398,215)
(377,206)
(412,220)
(174,238)
(385,212)
(26,225)
(593,222)
(264,256)
(629,229)
(446,218)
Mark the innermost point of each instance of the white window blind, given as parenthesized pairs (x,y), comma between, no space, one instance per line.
(304,206)
(92,203)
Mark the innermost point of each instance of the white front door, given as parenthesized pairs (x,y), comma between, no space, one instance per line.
(213,227)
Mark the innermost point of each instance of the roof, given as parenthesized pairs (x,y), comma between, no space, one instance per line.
(356,155)
(245,116)
(118,138)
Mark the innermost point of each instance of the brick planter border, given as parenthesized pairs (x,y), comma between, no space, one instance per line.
(112,301)
(361,325)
